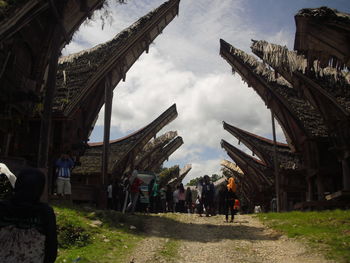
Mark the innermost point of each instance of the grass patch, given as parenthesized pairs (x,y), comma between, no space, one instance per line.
(170,250)
(88,235)
(326,231)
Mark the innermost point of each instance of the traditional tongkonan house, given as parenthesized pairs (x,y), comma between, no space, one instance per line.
(256,174)
(32,35)
(87,177)
(328,90)
(292,182)
(302,123)
(85,81)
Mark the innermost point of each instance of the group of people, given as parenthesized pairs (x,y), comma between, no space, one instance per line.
(206,198)
(130,194)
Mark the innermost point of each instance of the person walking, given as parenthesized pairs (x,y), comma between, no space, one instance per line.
(199,201)
(126,189)
(208,195)
(230,197)
(163,199)
(27,226)
(182,198)
(156,197)
(169,199)
(176,199)
(117,191)
(110,203)
(135,183)
(188,200)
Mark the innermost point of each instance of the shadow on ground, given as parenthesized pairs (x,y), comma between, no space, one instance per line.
(178,226)
(210,231)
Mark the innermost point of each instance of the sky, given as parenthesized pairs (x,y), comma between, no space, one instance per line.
(183,66)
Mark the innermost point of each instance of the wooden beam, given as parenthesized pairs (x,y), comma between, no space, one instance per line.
(346,174)
(107,127)
(59,20)
(275,161)
(48,101)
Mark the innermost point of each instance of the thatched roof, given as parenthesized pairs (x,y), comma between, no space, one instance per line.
(182,174)
(298,107)
(325,13)
(163,154)
(123,149)
(78,74)
(323,34)
(245,186)
(152,148)
(233,167)
(249,165)
(264,148)
(335,82)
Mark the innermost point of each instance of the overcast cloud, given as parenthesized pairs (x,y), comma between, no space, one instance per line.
(184,67)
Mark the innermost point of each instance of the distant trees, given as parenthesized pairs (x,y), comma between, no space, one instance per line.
(168,173)
(213,178)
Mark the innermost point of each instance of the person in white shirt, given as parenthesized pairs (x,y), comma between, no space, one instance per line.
(110,196)
(176,199)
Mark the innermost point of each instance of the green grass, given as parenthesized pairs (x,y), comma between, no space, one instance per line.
(326,231)
(170,250)
(87,235)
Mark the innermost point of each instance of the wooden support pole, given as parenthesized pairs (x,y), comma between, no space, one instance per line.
(346,174)
(275,161)
(309,194)
(320,186)
(45,128)
(48,102)
(7,144)
(107,127)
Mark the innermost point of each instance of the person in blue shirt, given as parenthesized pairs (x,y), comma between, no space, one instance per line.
(63,171)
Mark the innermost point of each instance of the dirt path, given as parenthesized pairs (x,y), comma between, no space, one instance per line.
(190,238)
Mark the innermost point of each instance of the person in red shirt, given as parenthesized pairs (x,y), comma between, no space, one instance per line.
(134,192)
(236,206)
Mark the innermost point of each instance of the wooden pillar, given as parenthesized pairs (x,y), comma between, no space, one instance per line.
(320,186)
(102,189)
(346,174)
(310,193)
(275,161)
(47,113)
(45,128)
(7,144)
(107,127)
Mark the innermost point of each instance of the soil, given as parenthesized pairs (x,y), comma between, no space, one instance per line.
(210,239)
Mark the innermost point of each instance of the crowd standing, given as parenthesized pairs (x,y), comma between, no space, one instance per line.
(135,195)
